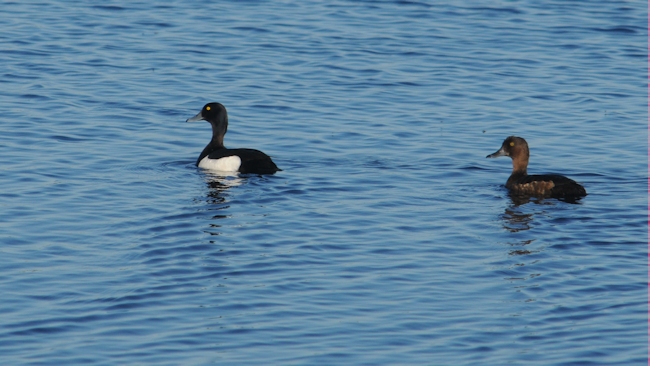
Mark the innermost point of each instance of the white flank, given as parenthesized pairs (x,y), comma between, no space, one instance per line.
(227,164)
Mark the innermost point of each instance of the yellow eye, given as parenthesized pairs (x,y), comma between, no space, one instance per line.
(208,108)
(512,143)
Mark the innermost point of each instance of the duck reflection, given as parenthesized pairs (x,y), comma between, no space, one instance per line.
(218,184)
(523,263)
(515,220)
(521,248)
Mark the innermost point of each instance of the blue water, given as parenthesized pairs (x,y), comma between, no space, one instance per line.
(388,238)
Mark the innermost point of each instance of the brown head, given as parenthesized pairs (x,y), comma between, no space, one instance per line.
(517,149)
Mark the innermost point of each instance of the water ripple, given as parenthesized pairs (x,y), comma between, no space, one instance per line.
(388,238)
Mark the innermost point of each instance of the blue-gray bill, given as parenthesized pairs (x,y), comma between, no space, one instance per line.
(198,117)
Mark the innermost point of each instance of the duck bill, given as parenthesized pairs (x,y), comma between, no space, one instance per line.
(198,117)
(500,152)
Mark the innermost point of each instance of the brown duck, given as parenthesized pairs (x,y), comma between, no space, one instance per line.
(522,184)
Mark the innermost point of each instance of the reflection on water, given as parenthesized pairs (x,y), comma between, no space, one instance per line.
(515,221)
(522,243)
(218,185)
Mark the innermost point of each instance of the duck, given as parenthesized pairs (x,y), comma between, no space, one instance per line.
(217,157)
(547,185)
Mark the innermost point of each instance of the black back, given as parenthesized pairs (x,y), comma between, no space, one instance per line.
(252,161)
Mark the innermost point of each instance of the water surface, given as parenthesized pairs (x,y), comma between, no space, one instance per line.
(388,238)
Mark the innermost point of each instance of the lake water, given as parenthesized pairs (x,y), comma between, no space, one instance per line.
(388,238)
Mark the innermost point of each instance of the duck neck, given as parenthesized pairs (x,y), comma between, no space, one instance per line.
(520,164)
(216,142)
(219,130)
